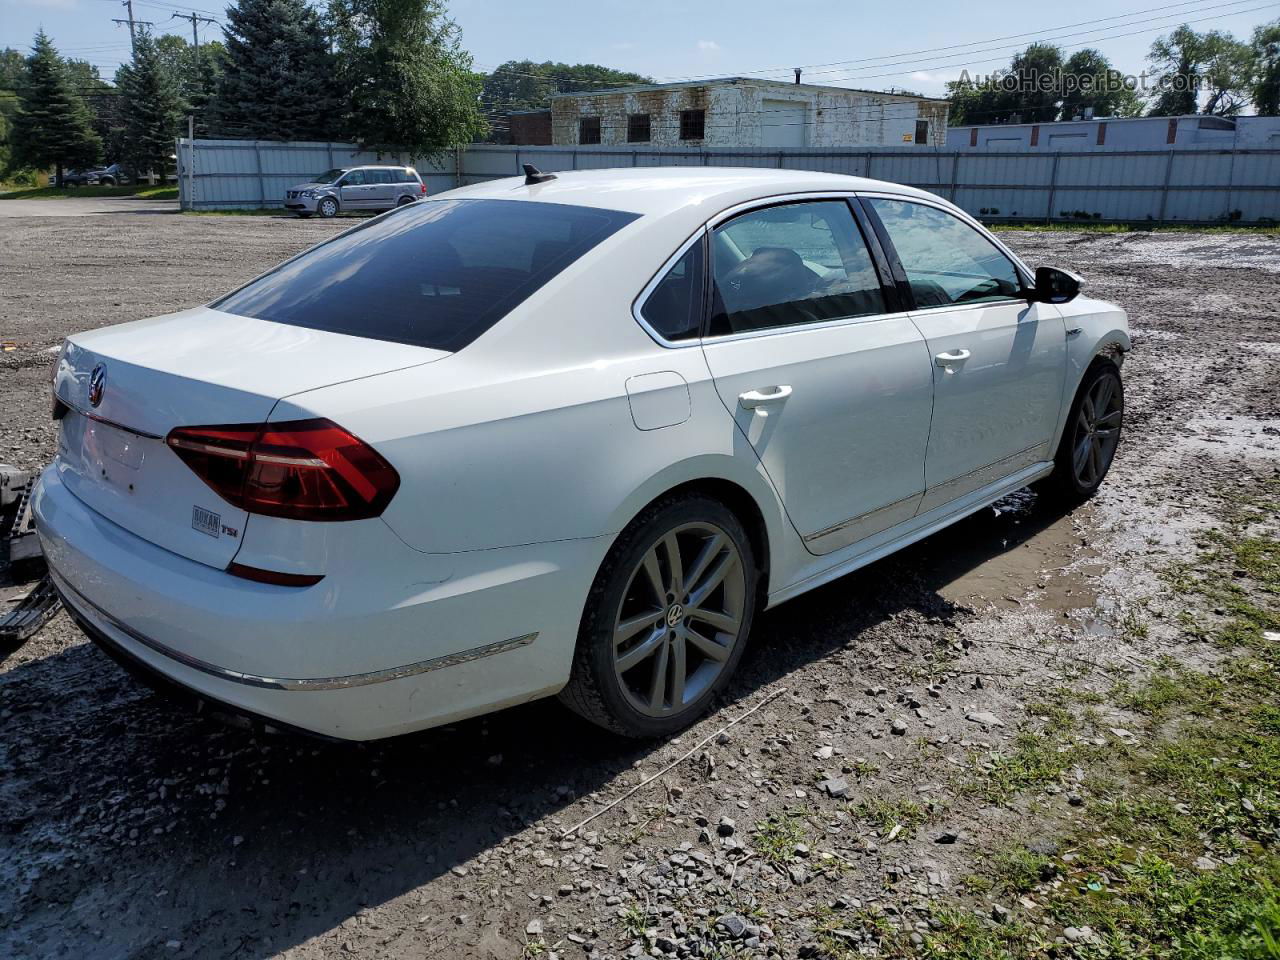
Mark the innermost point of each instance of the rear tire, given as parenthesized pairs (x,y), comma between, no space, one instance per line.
(404,201)
(1090,437)
(327,208)
(667,619)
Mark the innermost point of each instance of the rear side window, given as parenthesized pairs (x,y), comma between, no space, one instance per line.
(792,264)
(380,176)
(947,261)
(432,274)
(408,176)
(674,307)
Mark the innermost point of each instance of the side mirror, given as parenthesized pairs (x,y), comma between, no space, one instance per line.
(1055,286)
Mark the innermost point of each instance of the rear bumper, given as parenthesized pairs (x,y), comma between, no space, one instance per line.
(381,654)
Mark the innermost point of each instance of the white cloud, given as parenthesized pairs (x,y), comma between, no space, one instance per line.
(708,46)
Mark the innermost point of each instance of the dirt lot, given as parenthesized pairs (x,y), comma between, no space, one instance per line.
(1014,651)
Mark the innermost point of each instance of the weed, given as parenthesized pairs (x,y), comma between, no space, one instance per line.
(776,838)
(1034,761)
(887,814)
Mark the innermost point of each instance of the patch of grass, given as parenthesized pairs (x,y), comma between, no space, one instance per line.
(634,921)
(887,814)
(1034,761)
(1021,869)
(1172,686)
(776,838)
(55,193)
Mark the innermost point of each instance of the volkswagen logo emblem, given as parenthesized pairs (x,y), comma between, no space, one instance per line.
(675,613)
(97,384)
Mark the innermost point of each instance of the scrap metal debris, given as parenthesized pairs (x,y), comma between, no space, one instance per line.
(27,598)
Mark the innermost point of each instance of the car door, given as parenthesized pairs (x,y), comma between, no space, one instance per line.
(381,188)
(829,382)
(354,191)
(999,361)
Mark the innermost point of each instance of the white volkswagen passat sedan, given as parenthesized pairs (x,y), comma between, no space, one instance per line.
(556,436)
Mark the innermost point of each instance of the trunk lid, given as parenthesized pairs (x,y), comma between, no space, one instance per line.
(197,367)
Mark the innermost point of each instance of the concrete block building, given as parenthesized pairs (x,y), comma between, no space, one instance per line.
(745,112)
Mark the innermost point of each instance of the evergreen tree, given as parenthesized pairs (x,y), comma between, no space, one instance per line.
(278,81)
(410,83)
(52,126)
(13,76)
(152,108)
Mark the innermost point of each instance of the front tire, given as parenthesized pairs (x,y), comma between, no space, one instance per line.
(327,208)
(666,620)
(1090,437)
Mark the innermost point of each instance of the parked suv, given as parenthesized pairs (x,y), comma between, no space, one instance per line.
(355,188)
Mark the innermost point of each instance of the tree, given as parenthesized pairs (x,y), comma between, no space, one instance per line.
(199,72)
(13,76)
(525,85)
(152,107)
(1266,69)
(1187,63)
(278,80)
(52,125)
(1089,81)
(410,83)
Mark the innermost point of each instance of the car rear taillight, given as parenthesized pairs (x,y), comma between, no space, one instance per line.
(299,470)
(424,189)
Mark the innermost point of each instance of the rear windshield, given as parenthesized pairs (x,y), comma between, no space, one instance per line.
(433,274)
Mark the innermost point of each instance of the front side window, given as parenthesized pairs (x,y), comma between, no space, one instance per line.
(354,179)
(791,264)
(588,129)
(947,261)
(432,274)
(674,307)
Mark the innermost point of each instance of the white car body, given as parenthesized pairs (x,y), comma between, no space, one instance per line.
(522,456)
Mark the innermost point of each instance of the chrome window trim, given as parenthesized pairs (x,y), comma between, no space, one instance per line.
(762,203)
(637,305)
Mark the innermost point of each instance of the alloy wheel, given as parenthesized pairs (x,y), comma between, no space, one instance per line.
(680,618)
(1097,430)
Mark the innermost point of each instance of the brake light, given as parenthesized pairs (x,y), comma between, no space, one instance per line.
(299,470)
(424,189)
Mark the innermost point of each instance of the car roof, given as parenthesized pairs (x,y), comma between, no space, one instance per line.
(664,190)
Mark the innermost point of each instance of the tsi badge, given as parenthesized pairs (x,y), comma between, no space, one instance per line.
(97,384)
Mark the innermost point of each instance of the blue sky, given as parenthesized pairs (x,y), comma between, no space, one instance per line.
(873,46)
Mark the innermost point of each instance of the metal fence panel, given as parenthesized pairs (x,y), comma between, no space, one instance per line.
(1114,184)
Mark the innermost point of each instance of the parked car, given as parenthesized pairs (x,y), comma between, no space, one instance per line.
(557,436)
(372,187)
(71,178)
(110,176)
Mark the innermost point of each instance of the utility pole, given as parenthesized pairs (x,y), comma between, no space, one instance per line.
(196,20)
(133,24)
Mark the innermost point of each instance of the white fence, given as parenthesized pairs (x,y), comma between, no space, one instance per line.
(1200,186)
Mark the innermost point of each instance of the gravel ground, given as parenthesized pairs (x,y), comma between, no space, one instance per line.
(134,830)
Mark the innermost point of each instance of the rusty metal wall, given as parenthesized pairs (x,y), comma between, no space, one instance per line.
(1200,186)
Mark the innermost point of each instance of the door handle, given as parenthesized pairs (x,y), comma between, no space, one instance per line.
(947,359)
(754,398)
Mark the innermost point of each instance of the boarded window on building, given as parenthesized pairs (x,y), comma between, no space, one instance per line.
(637,128)
(693,124)
(922,133)
(588,129)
